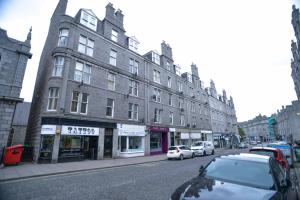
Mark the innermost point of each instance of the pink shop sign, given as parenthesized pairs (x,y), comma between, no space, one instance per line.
(158,129)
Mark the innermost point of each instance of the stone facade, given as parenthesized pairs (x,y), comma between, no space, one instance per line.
(91,77)
(288,122)
(222,116)
(288,117)
(19,123)
(13,60)
(256,129)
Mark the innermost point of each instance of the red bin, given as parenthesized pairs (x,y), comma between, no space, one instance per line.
(13,154)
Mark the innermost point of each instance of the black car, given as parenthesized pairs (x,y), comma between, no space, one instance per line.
(238,177)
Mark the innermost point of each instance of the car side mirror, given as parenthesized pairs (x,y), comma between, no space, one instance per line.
(201,169)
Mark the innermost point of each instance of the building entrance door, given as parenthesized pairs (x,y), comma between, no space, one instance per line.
(46,148)
(108,143)
(90,147)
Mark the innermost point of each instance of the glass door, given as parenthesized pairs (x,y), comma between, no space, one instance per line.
(46,148)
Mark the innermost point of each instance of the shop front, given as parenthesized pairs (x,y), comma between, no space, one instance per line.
(188,137)
(78,143)
(158,140)
(47,139)
(131,140)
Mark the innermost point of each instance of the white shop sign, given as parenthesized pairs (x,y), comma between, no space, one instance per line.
(207,132)
(131,130)
(172,129)
(79,130)
(184,136)
(48,130)
(195,135)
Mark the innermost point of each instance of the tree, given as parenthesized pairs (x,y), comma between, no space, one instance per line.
(242,133)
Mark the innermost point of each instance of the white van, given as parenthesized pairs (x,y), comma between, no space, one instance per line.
(203,148)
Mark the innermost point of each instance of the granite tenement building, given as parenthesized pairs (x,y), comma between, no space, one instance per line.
(288,118)
(96,96)
(223,117)
(13,60)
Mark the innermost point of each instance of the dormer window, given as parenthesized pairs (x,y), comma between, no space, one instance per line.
(88,19)
(114,35)
(133,44)
(155,58)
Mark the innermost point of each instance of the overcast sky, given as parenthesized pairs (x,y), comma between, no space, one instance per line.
(243,45)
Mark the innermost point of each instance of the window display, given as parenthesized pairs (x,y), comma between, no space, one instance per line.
(131,143)
(155,141)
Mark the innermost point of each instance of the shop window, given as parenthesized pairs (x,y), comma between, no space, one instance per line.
(71,146)
(131,143)
(155,141)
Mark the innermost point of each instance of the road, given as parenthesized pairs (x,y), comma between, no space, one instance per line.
(149,181)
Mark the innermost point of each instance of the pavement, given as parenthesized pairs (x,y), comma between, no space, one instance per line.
(31,170)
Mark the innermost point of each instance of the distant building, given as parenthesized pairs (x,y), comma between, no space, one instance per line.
(256,129)
(288,122)
(96,97)
(13,60)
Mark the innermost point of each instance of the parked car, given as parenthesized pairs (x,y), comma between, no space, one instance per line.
(203,148)
(253,142)
(287,151)
(236,177)
(297,153)
(243,145)
(180,152)
(273,152)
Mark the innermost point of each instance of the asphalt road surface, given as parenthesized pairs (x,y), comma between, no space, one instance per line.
(149,181)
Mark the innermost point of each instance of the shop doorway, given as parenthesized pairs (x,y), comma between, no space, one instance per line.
(90,147)
(46,148)
(108,143)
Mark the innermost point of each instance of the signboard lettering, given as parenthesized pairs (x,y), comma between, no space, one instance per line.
(79,130)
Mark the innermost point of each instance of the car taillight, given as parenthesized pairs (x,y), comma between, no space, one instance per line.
(177,150)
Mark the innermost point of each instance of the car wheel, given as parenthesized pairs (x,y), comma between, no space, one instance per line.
(181,157)
(213,152)
(204,153)
(193,155)
(169,158)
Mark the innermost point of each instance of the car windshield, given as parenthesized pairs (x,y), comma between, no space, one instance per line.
(172,148)
(263,152)
(196,144)
(250,173)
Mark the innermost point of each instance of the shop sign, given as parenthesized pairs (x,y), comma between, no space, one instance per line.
(131,130)
(207,132)
(195,135)
(185,136)
(158,129)
(172,129)
(79,130)
(48,130)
